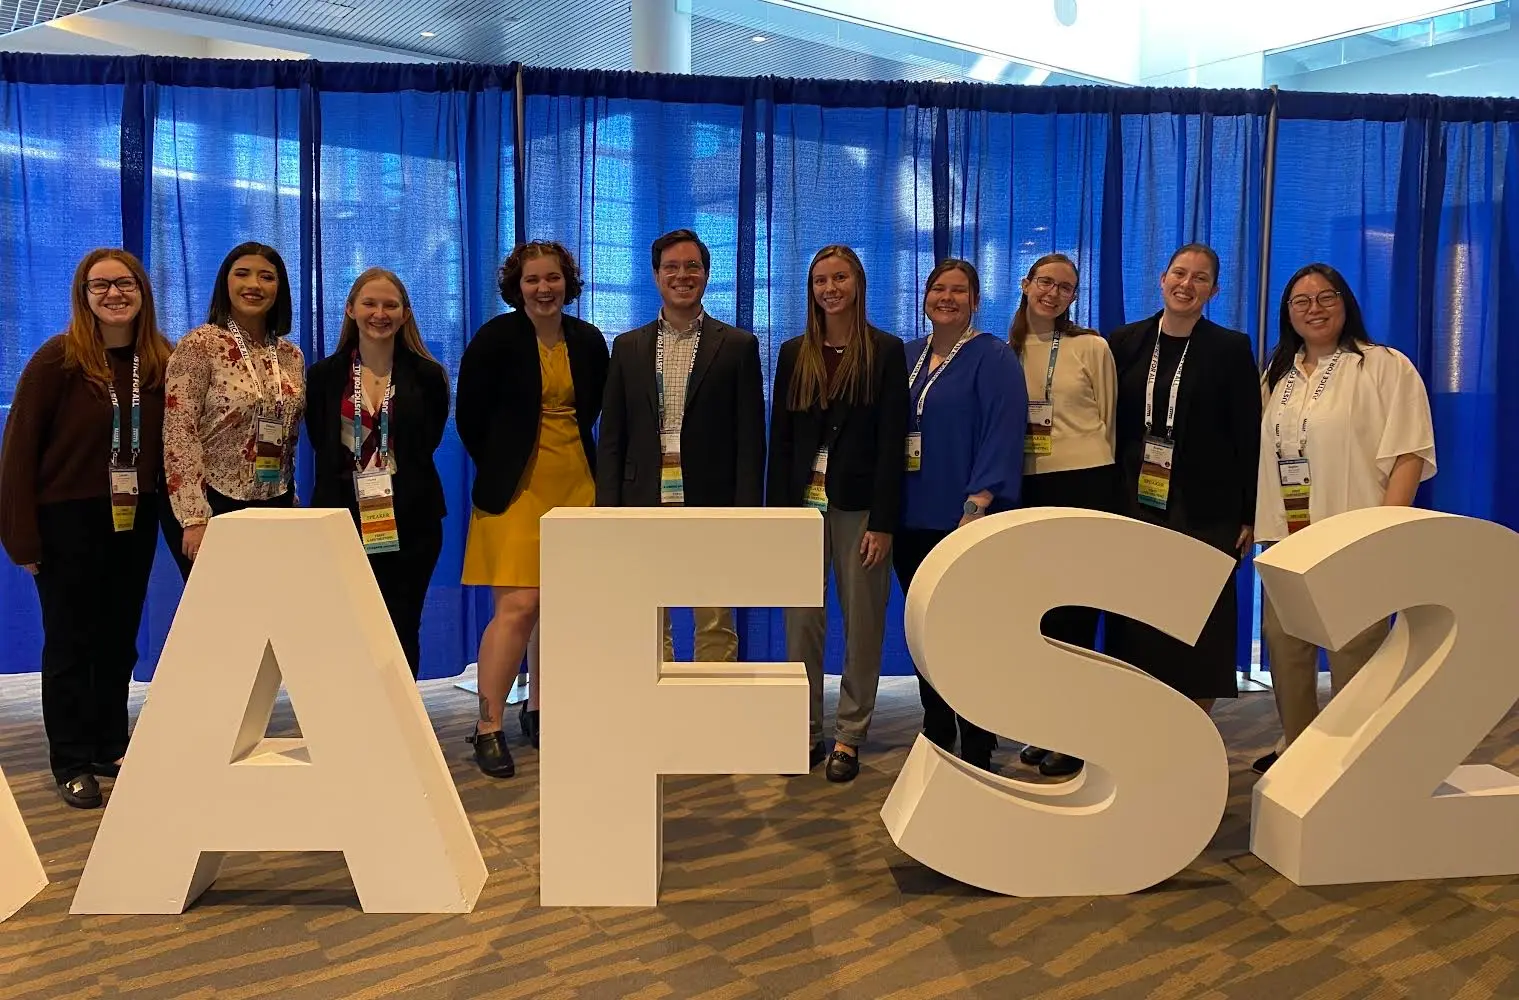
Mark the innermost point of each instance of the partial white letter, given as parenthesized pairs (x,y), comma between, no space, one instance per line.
(1156,778)
(283,593)
(21,872)
(1368,793)
(622,719)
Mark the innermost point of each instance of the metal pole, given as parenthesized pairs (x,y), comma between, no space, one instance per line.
(1268,202)
(662,36)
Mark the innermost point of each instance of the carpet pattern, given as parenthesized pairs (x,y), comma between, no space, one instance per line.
(773,887)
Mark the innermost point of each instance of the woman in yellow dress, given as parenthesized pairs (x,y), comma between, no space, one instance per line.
(530,386)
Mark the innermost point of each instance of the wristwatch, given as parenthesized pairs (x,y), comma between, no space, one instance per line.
(973,509)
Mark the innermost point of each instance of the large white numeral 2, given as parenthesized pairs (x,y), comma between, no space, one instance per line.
(1368,792)
(1156,779)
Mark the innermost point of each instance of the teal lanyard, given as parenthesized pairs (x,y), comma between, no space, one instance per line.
(358,417)
(136,417)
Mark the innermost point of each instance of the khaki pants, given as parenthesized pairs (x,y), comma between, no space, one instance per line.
(716,639)
(1295,669)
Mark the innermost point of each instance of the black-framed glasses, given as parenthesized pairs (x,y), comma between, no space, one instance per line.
(1045,283)
(100,286)
(1326,300)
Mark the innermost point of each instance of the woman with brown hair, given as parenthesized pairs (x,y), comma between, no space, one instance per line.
(79,508)
(838,423)
(530,386)
(376,409)
(1068,447)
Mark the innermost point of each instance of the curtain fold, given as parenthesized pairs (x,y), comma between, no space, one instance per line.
(420,169)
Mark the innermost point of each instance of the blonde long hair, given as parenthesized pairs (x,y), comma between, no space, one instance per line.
(851,382)
(83,346)
(411,334)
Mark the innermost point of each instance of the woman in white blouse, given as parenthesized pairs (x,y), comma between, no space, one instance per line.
(1357,415)
(1068,446)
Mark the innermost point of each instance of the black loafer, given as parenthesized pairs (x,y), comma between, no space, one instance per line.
(492,755)
(1033,756)
(1263,765)
(81,792)
(842,766)
(1059,765)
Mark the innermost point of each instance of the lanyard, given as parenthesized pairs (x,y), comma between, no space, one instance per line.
(1289,384)
(358,417)
(258,382)
(659,367)
(933,376)
(1175,387)
(136,416)
(1049,375)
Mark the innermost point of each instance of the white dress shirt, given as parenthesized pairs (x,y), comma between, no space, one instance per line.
(1373,410)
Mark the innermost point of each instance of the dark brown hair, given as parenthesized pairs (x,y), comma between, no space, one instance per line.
(809,380)
(955,264)
(83,348)
(670,239)
(1289,341)
(509,278)
(1018,333)
(281,315)
(1201,248)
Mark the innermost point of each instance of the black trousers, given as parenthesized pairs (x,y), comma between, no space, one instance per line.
(1091,489)
(404,576)
(941,725)
(174,535)
(91,584)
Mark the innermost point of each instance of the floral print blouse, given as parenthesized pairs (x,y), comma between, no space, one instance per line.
(211,403)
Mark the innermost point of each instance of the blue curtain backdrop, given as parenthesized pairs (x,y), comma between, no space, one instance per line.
(429,171)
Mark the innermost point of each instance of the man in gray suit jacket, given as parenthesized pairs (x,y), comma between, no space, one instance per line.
(683,415)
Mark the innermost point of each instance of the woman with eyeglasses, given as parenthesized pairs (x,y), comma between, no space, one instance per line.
(79,509)
(1188,440)
(1068,445)
(376,409)
(965,421)
(1356,415)
(235,397)
(837,428)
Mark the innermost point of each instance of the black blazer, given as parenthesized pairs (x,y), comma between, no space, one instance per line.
(501,400)
(722,438)
(1218,425)
(865,442)
(419,413)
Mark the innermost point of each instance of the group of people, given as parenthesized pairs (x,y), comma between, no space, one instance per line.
(114,436)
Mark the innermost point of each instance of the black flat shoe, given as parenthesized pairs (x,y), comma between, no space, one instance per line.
(81,792)
(1263,765)
(1033,756)
(1059,765)
(842,766)
(529,721)
(491,754)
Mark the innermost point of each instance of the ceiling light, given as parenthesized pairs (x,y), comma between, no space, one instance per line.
(429,34)
(759,38)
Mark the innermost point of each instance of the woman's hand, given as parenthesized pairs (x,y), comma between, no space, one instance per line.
(874,548)
(1245,541)
(31,568)
(194,535)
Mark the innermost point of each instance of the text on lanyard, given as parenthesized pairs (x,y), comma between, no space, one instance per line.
(136,417)
(358,417)
(1288,385)
(1175,387)
(272,349)
(659,368)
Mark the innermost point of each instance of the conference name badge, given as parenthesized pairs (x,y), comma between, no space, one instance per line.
(915,451)
(1039,439)
(269,451)
(817,486)
(672,488)
(376,494)
(1293,475)
(123,498)
(1155,473)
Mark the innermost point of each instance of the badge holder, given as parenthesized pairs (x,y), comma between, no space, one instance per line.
(269,453)
(817,486)
(1155,473)
(123,498)
(672,488)
(1293,475)
(915,451)
(1039,438)
(376,494)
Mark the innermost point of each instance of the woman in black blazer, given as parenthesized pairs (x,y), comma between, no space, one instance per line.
(530,387)
(402,396)
(838,427)
(1212,444)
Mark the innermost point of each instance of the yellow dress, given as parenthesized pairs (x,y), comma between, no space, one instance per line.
(502,550)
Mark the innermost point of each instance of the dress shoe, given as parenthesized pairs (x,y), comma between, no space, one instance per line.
(529,719)
(817,754)
(842,766)
(105,770)
(1059,765)
(81,791)
(1263,765)
(491,754)
(1033,756)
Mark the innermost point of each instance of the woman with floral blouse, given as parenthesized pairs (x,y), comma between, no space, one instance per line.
(235,397)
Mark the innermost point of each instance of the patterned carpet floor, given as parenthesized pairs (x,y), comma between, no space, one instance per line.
(773,887)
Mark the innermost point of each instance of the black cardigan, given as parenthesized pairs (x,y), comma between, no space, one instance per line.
(501,400)
(865,442)
(418,416)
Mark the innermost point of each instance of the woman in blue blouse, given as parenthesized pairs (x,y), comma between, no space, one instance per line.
(968,410)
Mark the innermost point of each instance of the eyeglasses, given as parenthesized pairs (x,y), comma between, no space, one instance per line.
(1045,283)
(100,286)
(1326,300)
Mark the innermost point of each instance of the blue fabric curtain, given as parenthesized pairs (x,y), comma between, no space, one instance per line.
(418,169)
